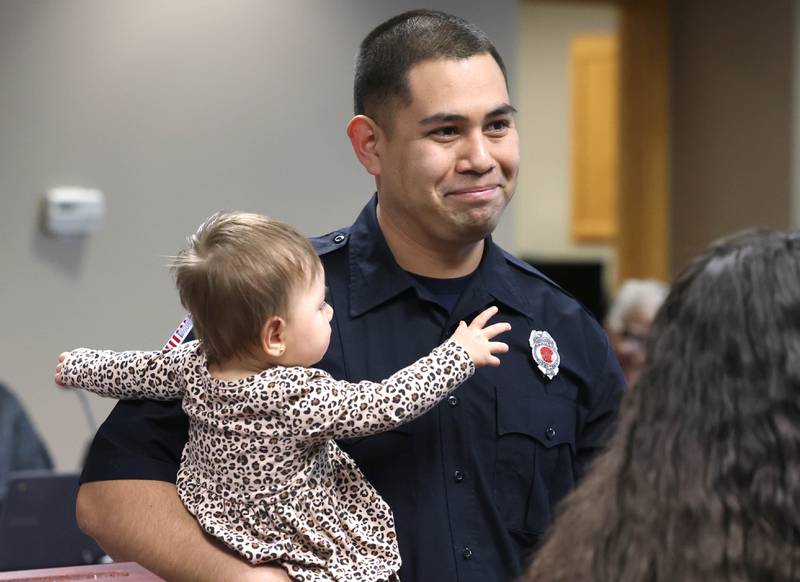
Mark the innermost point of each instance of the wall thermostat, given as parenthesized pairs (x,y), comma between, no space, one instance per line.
(74,211)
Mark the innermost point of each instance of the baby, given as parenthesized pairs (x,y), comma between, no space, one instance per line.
(261,471)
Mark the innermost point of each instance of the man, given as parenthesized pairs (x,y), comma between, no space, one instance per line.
(472,484)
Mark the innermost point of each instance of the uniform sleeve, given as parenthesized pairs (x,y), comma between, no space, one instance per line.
(323,408)
(600,418)
(140,439)
(127,375)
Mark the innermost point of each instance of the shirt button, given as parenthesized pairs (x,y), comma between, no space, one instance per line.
(550,433)
(452,400)
(458,476)
(338,238)
(467,553)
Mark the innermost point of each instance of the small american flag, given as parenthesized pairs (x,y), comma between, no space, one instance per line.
(180,334)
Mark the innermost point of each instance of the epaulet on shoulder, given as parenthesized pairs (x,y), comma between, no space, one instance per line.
(327,243)
(530,269)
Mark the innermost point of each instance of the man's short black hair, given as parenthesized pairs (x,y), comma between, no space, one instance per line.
(392,48)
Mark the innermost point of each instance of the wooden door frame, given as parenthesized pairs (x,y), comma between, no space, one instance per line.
(643,243)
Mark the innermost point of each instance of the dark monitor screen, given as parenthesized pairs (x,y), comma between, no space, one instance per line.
(38,527)
(581,279)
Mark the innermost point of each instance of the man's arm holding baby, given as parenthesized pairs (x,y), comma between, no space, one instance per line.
(145,522)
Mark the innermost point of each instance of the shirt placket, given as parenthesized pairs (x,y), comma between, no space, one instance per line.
(458,463)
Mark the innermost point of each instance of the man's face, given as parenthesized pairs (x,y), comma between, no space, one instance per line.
(448,161)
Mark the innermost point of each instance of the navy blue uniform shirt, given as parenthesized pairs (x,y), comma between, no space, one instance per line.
(473,483)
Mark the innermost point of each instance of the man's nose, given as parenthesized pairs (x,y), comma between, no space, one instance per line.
(475,156)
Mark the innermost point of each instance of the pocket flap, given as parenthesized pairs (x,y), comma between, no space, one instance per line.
(550,421)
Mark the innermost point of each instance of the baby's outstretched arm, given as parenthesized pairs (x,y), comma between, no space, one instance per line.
(326,408)
(125,375)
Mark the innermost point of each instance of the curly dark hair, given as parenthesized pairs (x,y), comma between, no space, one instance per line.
(701,481)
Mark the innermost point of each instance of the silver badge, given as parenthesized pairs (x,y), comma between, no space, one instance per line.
(545,353)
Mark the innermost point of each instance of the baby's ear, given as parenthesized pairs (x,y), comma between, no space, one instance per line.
(273,337)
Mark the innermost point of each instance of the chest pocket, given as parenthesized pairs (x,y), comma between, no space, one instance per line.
(535,458)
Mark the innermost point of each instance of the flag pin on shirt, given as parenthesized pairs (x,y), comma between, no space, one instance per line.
(545,353)
(180,334)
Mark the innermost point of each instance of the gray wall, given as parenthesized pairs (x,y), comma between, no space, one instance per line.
(175,109)
(732,114)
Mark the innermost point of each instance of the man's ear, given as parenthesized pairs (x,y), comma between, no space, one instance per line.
(273,337)
(365,135)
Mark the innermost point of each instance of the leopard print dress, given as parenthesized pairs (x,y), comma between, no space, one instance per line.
(260,470)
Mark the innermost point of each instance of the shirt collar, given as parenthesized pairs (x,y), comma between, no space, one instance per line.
(375,276)
(497,279)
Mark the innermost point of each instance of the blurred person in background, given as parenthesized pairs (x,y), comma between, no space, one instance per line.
(629,321)
(700,481)
(21,448)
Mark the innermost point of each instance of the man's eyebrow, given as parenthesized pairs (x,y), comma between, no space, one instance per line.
(442,118)
(506,109)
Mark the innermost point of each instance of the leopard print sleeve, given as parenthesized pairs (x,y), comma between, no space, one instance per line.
(128,375)
(324,408)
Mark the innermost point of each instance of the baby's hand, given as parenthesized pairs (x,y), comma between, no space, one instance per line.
(60,368)
(475,338)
